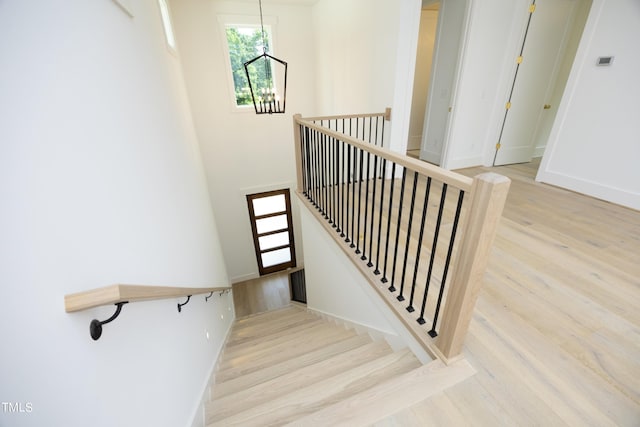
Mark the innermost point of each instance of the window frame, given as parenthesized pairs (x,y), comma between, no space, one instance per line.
(256,236)
(226,21)
(167,26)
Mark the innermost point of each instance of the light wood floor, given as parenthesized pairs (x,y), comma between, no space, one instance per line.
(262,294)
(555,336)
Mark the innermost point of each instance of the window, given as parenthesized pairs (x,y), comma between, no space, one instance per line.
(243,41)
(166,22)
(270,215)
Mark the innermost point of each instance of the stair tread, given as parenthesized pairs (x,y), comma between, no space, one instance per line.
(394,395)
(267,340)
(314,397)
(267,323)
(242,365)
(295,379)
(282,341)
(278,312)
(221,389)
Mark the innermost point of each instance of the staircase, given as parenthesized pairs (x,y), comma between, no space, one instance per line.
(291,366)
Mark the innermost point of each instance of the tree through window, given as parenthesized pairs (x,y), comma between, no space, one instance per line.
(244,42)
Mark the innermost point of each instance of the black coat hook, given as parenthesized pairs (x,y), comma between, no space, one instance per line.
(209,296)
(95,328)
(184,303)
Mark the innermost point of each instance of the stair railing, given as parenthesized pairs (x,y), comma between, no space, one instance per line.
(421,234)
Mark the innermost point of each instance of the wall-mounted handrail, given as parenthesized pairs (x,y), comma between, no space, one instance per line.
(114,294)
(123,294)
(398,218)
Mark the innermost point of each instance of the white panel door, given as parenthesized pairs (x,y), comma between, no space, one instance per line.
(543,49)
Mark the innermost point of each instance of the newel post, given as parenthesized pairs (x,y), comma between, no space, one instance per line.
(298,151)
(489,193)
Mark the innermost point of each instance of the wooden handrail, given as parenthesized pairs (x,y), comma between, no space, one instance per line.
(386,115)
(451,178)
(114,294)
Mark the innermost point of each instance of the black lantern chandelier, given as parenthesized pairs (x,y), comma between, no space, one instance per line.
(261,74)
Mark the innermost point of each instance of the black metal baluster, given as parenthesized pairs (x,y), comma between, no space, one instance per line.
(346,228)
(336,189)
(329,178)
(410,308)
(302,160)
(364,129)
(384,167)
(323,175)
(373,213)
(305,154)
(386,249)
(382,136)
(434,247)
(318,172)
(357,235)
(366,209)
(325,188)
(342,188)
(353,198)
(392,288)
(452,239)
(312,167)
(400,297)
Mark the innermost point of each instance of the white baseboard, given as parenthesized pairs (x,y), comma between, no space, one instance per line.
(199,416)
(538,151)
(466,162)
(615,195)
(394,341)
(244,277)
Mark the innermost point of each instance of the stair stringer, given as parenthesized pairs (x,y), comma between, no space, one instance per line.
(337,288)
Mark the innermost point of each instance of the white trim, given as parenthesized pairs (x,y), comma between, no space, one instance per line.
(445,161)
(465,162)
(598,190)
(394,341)
(198,419)
(407,45)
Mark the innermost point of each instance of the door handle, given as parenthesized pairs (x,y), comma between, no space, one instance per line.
(547,106)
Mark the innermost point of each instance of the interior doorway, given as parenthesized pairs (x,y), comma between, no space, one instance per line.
(422,75)
(546,52)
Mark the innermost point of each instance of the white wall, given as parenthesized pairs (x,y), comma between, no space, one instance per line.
(336,287)
(365,54)
(101,182)
(243,152)
(355,47)
(594,146)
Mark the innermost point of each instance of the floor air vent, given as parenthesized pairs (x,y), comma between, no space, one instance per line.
(298,288)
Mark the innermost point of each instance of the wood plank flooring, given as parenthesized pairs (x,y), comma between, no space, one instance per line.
(262,294)
(555,335)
